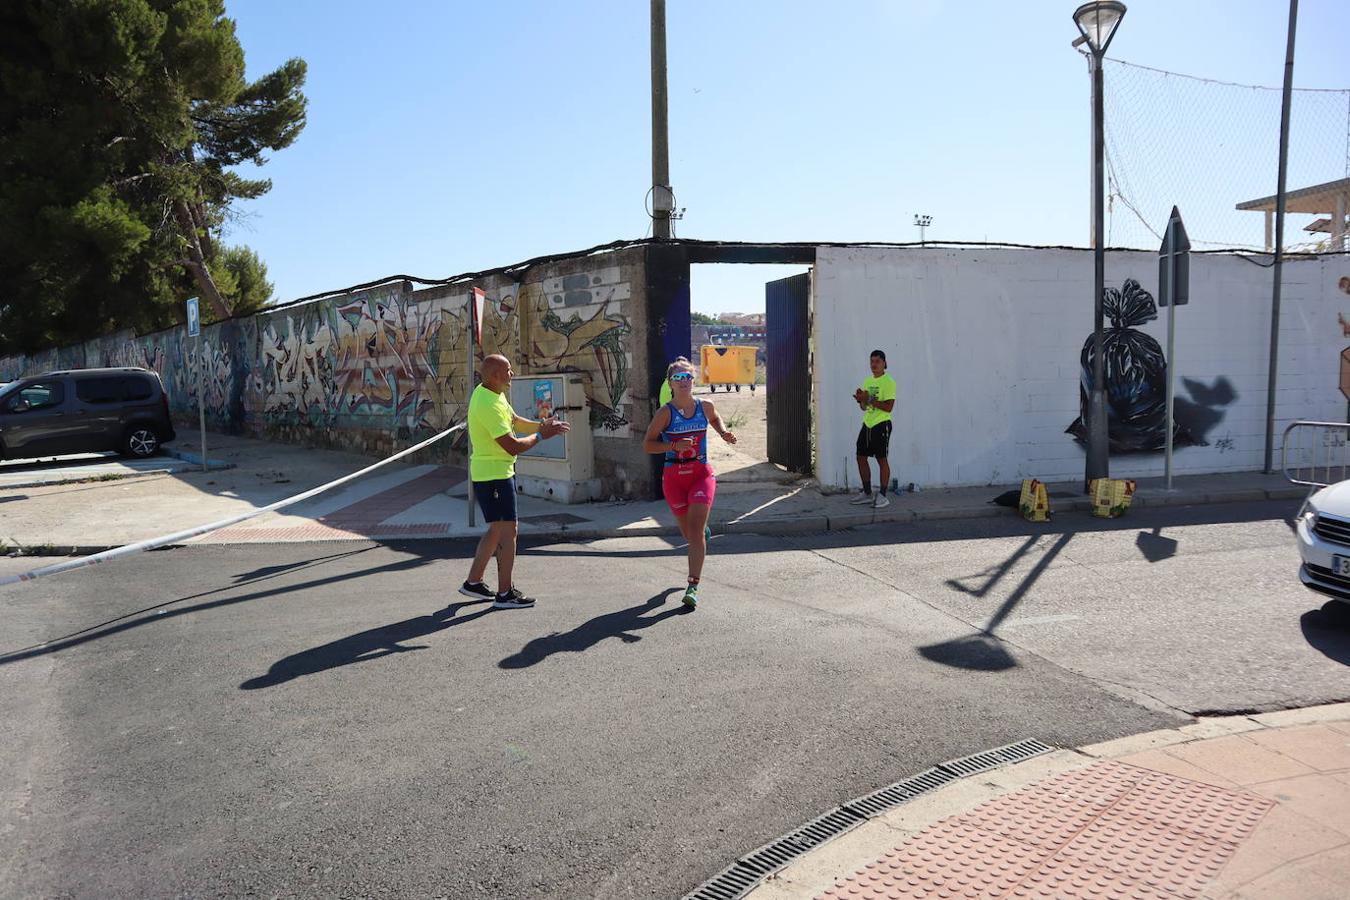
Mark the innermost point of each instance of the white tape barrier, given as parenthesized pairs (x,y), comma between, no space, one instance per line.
(151,544)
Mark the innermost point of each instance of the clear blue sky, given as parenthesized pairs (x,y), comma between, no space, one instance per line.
(446,137)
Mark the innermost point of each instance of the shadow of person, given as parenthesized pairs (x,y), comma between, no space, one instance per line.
(1328,630)
(586,635)
(365,646)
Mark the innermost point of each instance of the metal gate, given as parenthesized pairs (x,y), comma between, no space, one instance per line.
(1316,454)
(787,305)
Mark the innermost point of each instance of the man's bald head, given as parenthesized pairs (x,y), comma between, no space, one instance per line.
(496,372)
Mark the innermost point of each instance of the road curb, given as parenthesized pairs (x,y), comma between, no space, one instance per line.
(811,523)
(820,868)
(120,476)
(195,459)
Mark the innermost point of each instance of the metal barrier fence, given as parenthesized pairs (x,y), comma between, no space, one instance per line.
(1316,454)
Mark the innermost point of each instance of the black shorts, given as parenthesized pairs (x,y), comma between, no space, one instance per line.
(875,441)
(497,499)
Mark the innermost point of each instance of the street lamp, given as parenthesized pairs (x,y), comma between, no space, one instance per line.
(1097,23)
(922,222)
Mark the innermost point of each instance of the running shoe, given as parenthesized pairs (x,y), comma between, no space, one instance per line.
(477,590)
(690,598)
(862,499)
(882,501)
(512,599)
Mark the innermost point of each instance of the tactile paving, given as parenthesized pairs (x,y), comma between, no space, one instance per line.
(1108,830)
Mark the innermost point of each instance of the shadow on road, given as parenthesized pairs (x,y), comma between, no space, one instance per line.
(588,634)
(1328,630)
(160,613)
(1154,546)
(365,646)
(985,652)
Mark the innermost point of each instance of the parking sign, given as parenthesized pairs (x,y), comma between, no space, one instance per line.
(194,318)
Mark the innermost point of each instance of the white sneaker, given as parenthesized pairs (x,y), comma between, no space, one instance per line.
(881,502)
(862,499)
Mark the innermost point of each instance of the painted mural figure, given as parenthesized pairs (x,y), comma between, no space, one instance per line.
(493,426)
(876,398)
(680,431)
(1135,374)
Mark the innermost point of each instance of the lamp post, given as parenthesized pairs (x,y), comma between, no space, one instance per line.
(1097,22)
(922,222)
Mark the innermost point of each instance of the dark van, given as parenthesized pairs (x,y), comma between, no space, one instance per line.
(84,411)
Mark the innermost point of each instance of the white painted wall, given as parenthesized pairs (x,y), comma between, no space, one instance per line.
(984,345)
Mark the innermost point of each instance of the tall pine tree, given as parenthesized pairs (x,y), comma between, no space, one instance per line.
(121,124)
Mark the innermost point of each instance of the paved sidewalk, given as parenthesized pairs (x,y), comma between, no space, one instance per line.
(415,499)
(1235,807)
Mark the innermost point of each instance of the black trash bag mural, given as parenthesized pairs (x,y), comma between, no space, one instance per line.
(1136,377)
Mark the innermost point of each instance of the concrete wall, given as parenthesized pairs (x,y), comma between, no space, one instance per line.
(985,346)
(382,369)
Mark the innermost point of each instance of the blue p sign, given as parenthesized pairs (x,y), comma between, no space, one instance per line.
(194,319)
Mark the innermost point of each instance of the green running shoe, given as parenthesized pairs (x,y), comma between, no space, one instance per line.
(691,596)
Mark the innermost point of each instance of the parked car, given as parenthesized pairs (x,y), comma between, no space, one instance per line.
(1323,529)
(83,411)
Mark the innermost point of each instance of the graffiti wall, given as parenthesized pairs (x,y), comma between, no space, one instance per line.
(385,368)
(992,353)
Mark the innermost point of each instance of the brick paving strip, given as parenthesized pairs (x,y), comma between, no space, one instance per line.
(362,518)
(1109,830)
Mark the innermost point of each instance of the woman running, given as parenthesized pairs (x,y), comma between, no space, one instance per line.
(680,431)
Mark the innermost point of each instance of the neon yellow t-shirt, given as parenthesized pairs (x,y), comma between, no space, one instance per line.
(490,417)
(666,393)
(882,388)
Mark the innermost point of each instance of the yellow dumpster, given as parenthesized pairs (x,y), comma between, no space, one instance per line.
(729,365)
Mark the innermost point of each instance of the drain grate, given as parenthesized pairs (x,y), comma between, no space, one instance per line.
(737,879)
(732,882)
(992,759)
(773,856)
(877,802)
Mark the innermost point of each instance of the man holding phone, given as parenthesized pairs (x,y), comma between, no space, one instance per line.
(876,398)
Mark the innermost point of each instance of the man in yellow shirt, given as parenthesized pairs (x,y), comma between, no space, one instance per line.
(876,398)
(493,426)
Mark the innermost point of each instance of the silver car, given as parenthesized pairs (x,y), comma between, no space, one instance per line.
(1323,529)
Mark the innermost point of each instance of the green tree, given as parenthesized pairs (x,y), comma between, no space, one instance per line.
(698,318)
(122,124)
(242,276)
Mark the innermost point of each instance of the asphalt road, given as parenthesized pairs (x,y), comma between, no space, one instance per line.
(332,720)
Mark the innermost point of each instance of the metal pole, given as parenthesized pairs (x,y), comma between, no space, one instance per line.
(1279,239)
(201,390)
(1171,344)
(661,201)
(1098,453)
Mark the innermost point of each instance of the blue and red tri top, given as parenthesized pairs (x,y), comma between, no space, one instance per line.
(681,428)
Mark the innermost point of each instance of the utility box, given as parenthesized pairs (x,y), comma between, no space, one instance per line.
(734,364)
(561,468)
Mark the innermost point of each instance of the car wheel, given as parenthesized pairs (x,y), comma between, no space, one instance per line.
(140,442)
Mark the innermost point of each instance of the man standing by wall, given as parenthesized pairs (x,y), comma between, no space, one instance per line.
(493,426)
(876,398)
